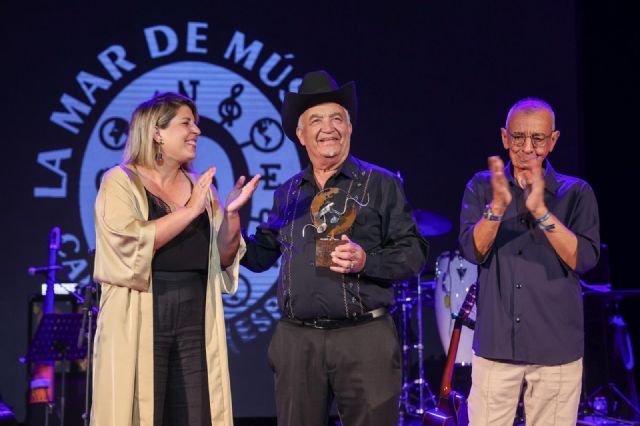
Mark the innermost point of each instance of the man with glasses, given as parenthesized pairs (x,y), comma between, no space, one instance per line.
(531,230)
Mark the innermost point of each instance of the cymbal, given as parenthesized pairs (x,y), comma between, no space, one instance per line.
(431,224)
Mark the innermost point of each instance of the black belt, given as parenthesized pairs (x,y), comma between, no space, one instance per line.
(327,324)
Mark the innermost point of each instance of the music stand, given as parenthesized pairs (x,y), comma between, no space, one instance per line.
(56,340)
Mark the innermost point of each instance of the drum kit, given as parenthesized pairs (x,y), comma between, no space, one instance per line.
(446,291)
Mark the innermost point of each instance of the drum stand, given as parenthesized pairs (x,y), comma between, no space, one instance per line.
(417,391)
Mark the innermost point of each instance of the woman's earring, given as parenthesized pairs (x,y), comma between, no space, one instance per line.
(159,151)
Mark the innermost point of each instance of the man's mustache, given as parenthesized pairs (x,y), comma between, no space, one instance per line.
(336,131)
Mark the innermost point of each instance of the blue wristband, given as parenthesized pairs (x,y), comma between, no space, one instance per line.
(544,218)
(546,227)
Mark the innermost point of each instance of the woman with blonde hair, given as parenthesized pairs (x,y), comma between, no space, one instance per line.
(165,251)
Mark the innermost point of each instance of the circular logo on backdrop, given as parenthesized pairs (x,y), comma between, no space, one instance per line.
(241,135)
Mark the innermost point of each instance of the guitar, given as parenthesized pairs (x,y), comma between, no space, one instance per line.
(451,409)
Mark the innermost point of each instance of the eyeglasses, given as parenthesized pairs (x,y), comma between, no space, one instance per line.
(538,140)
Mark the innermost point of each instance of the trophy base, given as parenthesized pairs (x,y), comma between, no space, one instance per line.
(324,247)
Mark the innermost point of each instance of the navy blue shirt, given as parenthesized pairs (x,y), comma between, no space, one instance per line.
(529,305)
(384,227)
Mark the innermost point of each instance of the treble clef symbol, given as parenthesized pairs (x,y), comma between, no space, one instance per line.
(229,108)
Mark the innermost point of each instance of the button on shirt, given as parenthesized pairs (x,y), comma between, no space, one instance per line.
(384,228)
(529,305)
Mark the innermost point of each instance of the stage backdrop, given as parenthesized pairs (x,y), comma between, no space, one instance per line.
(434,81)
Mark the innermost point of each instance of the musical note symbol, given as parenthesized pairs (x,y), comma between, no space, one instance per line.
(229,108)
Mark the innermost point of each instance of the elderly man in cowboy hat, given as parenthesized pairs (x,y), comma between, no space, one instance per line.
(336,338)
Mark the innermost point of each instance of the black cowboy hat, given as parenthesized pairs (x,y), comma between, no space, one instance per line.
(317,87)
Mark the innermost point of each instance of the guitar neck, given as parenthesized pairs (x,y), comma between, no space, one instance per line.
(460,319)
(447,375)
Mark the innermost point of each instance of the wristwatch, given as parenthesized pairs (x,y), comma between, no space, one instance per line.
(489,215)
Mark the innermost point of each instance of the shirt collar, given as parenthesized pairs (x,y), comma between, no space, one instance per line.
(349,168)
(550,177)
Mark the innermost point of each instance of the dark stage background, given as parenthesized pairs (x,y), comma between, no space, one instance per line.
(434,80)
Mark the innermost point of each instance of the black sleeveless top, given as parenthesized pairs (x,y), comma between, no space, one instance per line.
(187,251)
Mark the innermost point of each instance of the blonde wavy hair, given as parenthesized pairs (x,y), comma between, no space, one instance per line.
(156,112)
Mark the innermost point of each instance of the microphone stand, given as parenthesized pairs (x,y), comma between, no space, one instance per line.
(44,372)
(89,311)
(87,319)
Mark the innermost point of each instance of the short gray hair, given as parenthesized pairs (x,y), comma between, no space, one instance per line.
(530,105)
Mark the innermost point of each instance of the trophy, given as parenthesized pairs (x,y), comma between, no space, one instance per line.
(329,221)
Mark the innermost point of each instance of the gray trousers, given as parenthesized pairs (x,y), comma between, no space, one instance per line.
(360,366)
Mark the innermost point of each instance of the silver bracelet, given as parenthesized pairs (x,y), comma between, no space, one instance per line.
(487,214)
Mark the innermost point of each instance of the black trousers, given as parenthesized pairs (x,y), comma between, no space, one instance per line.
(181,394)
(360,366)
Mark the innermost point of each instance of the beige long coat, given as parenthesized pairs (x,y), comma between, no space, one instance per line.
(123,355)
